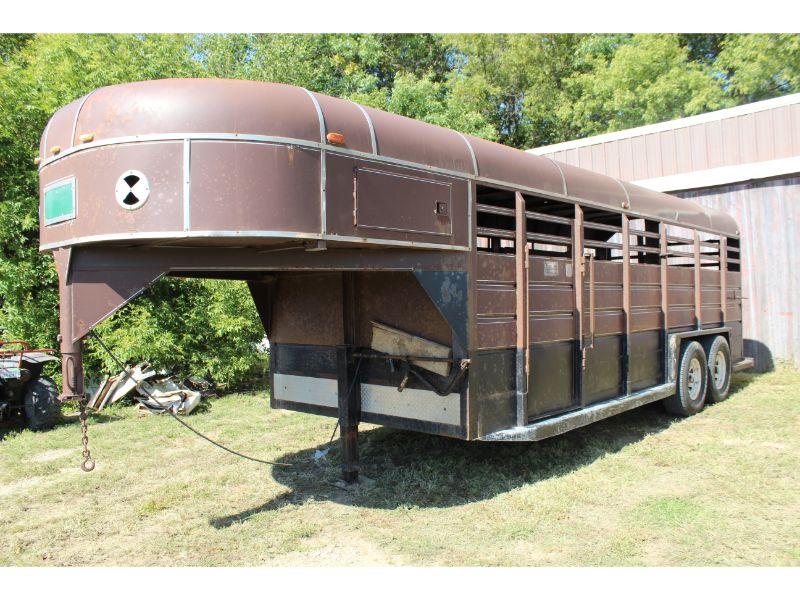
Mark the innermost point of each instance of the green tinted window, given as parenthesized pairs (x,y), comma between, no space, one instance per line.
(59,202)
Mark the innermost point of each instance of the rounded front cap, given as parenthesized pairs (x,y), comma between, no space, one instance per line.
(175,106)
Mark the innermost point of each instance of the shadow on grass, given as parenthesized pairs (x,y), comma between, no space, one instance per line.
(420,470)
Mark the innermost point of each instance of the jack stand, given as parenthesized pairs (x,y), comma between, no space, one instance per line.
(349,412)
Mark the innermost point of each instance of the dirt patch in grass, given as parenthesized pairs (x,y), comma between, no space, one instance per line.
(53,454)
(642,488)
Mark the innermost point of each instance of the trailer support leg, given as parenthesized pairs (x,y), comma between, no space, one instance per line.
(72,385)
(349,412)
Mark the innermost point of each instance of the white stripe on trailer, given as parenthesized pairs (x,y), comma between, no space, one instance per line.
(421,405)
(306,390)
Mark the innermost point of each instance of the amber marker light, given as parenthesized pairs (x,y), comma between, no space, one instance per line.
(335,138)
(37,160)
(55,149)
(86,137)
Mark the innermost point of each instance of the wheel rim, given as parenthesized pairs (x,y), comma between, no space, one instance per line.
(695,378)
(720,370)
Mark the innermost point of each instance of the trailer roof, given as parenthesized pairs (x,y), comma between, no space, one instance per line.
(276,111)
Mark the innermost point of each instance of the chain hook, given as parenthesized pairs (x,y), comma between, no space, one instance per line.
(88,462)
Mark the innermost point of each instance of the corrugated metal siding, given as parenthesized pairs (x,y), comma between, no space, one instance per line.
(759,136)
(769,215)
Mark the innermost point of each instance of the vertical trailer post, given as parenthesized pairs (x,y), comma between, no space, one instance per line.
(626,305)
(664,246)
(577,274)
(521,251)
(723,278)
(71,350)
(349,389)
(698,291)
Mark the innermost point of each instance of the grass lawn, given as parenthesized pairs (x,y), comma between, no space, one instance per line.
(643,488)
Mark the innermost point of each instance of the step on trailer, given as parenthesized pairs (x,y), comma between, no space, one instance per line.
(406,275)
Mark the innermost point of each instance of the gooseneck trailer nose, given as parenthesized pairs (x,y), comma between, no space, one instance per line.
(405,274)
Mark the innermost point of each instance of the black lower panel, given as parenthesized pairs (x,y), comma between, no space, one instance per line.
(550,386)
(737,346)
(492,391)
(647,360)
(602,377)
(300,359)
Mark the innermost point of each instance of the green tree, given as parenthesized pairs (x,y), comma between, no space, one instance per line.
(760,66)
(646,79)
(514,81)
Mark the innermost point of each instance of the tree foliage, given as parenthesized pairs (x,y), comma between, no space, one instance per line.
(521,90)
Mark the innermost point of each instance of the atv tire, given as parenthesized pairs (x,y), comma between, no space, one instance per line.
(42,409)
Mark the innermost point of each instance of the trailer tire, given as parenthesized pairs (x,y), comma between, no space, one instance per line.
(718,354)
(690,393)
(42,409)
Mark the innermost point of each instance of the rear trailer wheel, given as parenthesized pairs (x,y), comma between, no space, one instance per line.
(719,369)
(690,393)
(42,409)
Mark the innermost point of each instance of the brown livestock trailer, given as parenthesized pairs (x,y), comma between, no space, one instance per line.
(406,274)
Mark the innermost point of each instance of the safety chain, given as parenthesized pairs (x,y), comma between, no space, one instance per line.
(88,462)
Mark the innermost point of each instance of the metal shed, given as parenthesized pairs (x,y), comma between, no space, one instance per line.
(744,161)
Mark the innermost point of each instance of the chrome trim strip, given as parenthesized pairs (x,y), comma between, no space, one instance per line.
(560,170)
(161,137)
(179,235)
(323,200)
(470,240)
(371,127)
(44,143)
(320,116)
(187,183)
(624,189)
(580,418)
(365,156)
(472,153)
(378,241)
(72,141)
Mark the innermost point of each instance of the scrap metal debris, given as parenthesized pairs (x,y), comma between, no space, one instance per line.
(158,387)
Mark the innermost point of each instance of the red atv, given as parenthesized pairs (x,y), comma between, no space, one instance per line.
(23,390)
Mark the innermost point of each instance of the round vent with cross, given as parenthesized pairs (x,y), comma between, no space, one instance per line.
(132,190)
